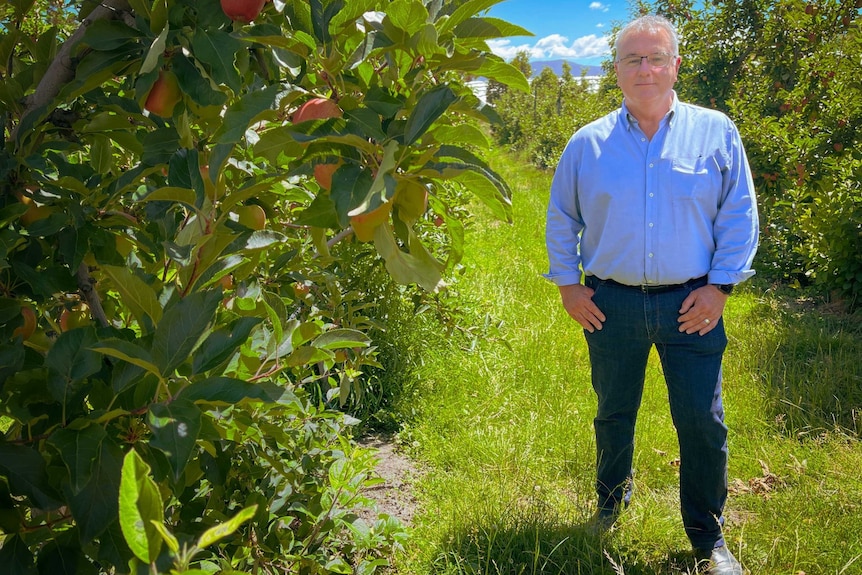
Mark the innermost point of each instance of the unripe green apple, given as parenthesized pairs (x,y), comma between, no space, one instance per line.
(251,216)
(72,318)
(164,95)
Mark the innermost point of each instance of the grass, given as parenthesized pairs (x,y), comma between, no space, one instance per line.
(504,425)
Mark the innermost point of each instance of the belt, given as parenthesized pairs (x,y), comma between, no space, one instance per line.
(658,288)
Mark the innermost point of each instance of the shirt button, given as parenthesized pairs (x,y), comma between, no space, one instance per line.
(650,224)
(650,255)
(652,165)
(651,195)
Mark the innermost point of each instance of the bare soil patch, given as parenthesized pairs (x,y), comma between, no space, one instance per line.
(394,496)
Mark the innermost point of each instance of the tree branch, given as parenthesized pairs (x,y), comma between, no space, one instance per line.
(90,295)
(62,68)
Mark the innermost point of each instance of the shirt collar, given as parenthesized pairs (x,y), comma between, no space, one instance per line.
(671,114)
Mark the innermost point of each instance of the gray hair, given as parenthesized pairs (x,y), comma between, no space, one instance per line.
(649,23)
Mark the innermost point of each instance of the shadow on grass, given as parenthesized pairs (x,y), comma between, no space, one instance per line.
(536,547)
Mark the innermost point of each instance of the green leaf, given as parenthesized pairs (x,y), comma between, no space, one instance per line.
(489,191)
(193,84)
(15,556)
(175,428)
(243,113)
(183,325)
(108,35)
(25,471)
(230,391)
(350,186)
(172,194)
(484,183)
(127,351)
(368,122)
(407,15)
(168,537)
(214,534)
(495,68)
(430,106)
(488,28)
(135,293)
(382,102)
(277,141)
(417,267)
(221,344)
(96,506)
(462,134)
(465,11)
(155,52)
(341,338)
(159,146)
(320,213)
(217,50)
(70,361)
(79,449)
(140,505)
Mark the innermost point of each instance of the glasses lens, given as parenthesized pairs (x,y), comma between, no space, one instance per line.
(657,60)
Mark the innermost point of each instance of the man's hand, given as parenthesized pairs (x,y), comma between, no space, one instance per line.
(701,310)
(578,301)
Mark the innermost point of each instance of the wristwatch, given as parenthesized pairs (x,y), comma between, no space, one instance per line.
(726,289)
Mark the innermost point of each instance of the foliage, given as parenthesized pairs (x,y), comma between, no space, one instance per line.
(192,279)
(540,123)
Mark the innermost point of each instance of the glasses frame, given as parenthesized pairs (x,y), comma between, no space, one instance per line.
(626,66)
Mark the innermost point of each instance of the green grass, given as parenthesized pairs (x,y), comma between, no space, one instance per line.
(504,426)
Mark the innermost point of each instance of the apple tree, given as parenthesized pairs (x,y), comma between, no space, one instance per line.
(187,190)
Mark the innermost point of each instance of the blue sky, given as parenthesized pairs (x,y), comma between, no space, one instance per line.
(568,29)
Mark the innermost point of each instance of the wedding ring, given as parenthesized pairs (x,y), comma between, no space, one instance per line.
(706,320)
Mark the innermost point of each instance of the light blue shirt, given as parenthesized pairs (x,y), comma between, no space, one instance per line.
(660,211)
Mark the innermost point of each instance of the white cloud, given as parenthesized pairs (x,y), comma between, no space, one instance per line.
(553,47)
(507,51)
(599,6)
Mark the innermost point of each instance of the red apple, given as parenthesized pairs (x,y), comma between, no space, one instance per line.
(164,95)
(29,326)
(323,174)
(244,11)
(317,109)
(365,224)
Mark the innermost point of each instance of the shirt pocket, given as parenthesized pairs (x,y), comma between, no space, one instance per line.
(696,179)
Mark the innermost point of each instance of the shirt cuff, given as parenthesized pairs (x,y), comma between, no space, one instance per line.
(722,277)
(563,279)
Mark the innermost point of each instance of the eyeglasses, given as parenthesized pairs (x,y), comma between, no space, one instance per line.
(656,60)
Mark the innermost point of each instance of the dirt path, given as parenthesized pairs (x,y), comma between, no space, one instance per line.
(394,496)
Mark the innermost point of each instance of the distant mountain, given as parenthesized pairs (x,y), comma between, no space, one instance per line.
(557,67)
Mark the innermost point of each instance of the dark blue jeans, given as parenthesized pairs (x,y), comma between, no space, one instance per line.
(636,321)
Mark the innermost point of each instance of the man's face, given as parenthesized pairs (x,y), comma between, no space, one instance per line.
(646,83)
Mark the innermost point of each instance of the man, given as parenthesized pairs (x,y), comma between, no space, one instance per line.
(653,207)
